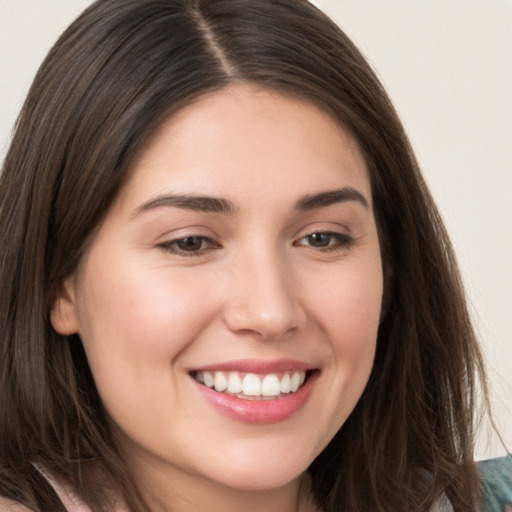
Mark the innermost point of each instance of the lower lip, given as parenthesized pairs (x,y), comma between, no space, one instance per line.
(259,412)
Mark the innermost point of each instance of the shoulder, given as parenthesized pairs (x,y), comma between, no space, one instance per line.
(7,505)
(496,475)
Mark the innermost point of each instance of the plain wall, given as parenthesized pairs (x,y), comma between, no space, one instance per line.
(447,65)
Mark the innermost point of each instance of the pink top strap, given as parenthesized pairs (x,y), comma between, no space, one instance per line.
(69,498)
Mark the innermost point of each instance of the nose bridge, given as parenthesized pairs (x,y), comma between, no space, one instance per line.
(263,297)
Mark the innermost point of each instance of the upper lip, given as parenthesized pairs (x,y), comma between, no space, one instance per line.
(256,366)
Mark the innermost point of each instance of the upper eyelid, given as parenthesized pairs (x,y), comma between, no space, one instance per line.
(180,238)
(334,234)
(330,223)
(338,230)
(179,233)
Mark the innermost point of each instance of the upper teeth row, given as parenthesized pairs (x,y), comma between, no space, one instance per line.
(252,384)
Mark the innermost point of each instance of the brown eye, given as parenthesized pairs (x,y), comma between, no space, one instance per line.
(327,241)
(190,244)
(320,239)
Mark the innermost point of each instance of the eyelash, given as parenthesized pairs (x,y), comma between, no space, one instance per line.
(172,246)
(342,242)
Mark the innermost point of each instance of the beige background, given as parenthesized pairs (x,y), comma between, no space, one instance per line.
(447,65)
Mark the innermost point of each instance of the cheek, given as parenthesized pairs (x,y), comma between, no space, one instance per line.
(356,327)
(348,311)
(141,310)
(135,323)
(349,306)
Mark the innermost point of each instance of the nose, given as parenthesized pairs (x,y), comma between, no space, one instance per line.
(263,298)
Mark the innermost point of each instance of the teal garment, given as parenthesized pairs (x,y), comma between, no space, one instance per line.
(496,477)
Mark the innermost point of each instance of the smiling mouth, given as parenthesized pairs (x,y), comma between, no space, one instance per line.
(253,386)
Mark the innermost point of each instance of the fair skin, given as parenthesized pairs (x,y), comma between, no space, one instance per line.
(278,275)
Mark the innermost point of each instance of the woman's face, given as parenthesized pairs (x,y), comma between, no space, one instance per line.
(239,262)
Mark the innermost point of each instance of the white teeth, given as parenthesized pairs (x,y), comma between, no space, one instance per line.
(286,384)
(295,382)
(208,379)
(220,381)
(251,384)
(235,383)
(270,386)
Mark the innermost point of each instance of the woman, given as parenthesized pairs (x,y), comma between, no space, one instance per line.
(225,283)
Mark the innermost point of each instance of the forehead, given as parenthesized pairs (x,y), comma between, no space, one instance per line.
(243,136)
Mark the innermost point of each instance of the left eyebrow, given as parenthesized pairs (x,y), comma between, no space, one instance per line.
(323,199)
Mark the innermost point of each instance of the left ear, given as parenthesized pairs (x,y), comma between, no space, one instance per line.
(63,313)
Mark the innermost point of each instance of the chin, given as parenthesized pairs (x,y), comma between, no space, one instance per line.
(263,475)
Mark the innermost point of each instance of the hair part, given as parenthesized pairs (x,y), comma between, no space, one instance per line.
(113,77)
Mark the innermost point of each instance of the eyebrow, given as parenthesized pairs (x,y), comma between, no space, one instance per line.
(208,204)
(189,202)
(323,199)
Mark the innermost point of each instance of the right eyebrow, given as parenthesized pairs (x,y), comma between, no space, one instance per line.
(188,202)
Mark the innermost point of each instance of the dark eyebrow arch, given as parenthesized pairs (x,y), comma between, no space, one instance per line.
(330,197)
(189,202)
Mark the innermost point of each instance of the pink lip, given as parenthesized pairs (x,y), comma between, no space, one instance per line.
(257,412)
(256,366)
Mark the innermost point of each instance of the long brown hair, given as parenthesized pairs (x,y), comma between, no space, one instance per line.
(110,80)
